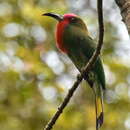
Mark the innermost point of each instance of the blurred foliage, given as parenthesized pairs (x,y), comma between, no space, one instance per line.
(35,77)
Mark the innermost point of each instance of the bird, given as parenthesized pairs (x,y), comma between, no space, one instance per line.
(72,38)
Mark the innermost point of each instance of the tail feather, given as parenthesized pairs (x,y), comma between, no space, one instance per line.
(100,120)
(98,93)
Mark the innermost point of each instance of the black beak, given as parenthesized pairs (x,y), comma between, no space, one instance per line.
(55,16)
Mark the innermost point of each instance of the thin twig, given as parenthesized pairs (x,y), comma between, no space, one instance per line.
(84,71)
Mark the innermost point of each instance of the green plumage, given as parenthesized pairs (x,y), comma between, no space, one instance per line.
(80,49)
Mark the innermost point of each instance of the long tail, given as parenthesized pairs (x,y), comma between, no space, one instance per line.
(98,93)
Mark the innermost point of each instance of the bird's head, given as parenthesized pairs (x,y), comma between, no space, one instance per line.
(70,18)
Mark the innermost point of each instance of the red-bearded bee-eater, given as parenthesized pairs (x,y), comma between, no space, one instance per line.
(73,39)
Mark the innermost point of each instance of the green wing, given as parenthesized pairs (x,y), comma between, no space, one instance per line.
(88,50)
(80,51)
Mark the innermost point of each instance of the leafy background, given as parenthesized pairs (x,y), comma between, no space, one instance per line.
(35,76)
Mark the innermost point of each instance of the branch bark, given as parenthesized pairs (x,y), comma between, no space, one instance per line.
(86,69)
(124,6)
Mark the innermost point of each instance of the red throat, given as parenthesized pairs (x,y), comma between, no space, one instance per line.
(59,35)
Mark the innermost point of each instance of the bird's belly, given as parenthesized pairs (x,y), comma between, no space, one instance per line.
(78,59)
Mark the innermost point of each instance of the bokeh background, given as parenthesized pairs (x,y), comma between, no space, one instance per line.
(35,76)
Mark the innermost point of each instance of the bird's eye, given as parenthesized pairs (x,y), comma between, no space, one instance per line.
(73,20)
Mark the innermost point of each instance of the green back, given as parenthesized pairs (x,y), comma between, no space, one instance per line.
(80,49)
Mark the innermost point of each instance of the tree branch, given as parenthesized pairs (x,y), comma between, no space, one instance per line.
(124,6)
(84,71)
